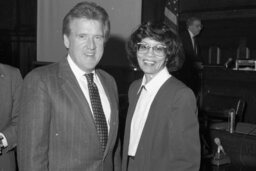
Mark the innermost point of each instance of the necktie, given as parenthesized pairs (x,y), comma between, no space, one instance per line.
(99,117)
(195,45)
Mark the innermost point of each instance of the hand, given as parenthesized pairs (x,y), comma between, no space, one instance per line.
(198,65)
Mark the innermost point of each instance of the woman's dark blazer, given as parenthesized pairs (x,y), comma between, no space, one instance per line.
(170,138)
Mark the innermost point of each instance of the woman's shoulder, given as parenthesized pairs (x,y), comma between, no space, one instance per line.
(8,68)
(134,86)
(174,82)
(174,86)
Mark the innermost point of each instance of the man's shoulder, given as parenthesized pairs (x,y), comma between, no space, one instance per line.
(104,74)
(175,83)
(175,86)
(43,72)
(135,85)
(184,34)
(8,68)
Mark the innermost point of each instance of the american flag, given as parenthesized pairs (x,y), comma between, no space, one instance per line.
(171,14)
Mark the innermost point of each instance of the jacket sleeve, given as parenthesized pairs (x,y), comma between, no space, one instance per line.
(34,125)
(10,132)
(185,128)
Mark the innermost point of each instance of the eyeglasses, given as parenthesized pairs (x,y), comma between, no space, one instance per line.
(159,50)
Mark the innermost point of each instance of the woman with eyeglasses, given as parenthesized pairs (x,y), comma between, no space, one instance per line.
(162,130)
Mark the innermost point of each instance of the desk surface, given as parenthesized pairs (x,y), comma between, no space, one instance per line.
(207,166)
(239,146)
(240,128)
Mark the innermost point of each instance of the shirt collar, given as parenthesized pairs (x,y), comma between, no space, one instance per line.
(156,82)
(76,70)
(191,34)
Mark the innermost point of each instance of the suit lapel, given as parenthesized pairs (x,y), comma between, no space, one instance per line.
(73,91)
(132,104)
(190,41)
(114,112)
(149,122)
(71,87)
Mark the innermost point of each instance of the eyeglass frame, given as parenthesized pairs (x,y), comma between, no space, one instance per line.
(147,46)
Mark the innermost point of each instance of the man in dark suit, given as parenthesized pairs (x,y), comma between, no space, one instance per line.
(10,85)
(59,126)
(189,73)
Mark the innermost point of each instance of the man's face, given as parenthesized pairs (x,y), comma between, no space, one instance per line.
(85,43)
(195,27)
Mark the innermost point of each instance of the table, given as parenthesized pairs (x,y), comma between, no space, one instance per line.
(240,146)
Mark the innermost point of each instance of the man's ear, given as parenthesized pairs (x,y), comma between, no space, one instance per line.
(66,41)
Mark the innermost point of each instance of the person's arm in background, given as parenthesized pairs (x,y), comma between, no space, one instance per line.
(9,134)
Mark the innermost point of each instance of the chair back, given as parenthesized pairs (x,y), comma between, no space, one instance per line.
(243,53)
(214,55)
(218,106)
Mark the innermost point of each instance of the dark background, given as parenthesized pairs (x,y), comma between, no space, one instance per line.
(226,24)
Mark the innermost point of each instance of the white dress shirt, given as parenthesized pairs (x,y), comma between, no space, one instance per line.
(192,38)
(82,81)
(4,140)
(148,93)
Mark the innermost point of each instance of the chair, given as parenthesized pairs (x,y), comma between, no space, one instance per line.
(243,52)
(215,110)
(214,55)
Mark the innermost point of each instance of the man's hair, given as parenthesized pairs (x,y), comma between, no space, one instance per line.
(88,10)
(190,20)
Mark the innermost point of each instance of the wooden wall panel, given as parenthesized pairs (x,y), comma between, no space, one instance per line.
(226,23)
(215,5)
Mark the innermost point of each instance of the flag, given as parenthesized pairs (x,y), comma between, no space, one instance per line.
(171,15)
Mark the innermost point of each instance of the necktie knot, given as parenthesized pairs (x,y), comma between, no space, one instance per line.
(89,77)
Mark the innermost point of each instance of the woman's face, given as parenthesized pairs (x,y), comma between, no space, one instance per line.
(151,56)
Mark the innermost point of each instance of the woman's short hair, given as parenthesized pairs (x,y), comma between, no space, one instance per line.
(161,33)
(88,10)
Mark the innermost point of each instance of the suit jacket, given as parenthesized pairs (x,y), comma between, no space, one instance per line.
(188,73)
(56,129)
(10,85)
(170,138)
(188,46)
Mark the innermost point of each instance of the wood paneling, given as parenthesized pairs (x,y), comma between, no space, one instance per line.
(226,25)
(8,14)
(215,5)
(18,33)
